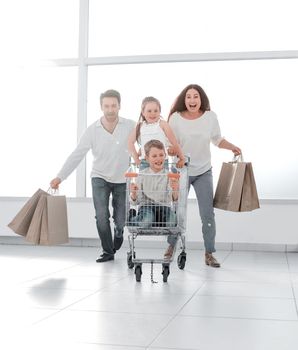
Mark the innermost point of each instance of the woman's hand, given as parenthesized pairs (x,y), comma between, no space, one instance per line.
(180,163)
(236,150)
(55,183)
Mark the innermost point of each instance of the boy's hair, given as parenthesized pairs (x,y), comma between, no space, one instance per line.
(110,93)
(153,143)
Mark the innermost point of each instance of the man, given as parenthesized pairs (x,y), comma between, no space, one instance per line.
(107,138)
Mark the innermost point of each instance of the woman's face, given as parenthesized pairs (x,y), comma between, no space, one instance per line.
(151,112)
(192,101)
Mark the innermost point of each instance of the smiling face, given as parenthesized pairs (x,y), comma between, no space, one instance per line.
(151,112)
(156,158)
(193,101)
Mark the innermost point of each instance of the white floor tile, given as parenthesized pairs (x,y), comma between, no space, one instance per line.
(59,297)
(203,333)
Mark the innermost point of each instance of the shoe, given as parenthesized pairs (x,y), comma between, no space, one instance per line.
(105,257)
(211,261)
(131,213)
(169,252)
(118,243)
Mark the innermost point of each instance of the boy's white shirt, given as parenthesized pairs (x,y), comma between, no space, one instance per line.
(153,188)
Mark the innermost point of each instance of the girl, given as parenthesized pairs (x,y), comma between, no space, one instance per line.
(151,127)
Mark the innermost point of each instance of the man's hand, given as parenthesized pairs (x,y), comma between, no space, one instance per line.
(55,183)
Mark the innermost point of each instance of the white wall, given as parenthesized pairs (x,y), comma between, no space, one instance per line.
(275,223)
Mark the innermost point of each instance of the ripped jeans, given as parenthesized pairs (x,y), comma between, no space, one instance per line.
(203,186)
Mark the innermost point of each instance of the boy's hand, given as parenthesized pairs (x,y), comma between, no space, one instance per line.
(174,183)
(133,191)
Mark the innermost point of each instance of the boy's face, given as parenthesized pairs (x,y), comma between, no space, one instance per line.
(156,159)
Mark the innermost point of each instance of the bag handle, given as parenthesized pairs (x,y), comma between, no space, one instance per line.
(237,159)
(53,192)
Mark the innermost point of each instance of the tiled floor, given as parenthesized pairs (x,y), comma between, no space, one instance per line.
(59,298)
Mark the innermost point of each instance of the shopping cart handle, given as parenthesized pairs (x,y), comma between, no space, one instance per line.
(131,174)
(173,175)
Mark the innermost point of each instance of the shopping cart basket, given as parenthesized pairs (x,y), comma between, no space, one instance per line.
(154,208)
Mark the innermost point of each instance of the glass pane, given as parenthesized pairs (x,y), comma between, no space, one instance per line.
(255,102)
(35,29)
(38,128)
(134,27)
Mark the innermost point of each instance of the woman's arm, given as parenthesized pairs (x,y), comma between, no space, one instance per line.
(229,146)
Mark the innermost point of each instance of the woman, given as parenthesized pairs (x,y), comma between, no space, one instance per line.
(195,126)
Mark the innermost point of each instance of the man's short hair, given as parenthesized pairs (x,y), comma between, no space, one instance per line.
(110,93)
(153,143)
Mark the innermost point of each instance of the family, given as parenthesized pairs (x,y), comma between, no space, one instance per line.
(189,130)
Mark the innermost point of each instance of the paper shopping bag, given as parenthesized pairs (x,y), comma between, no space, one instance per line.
(21,222)
(33,234)
(54,225)
(249,198)
(229,187)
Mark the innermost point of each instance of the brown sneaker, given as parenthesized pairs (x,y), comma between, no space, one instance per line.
(211,261)
(169,252)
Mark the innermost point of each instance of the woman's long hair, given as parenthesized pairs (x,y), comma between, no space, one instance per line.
(179,104)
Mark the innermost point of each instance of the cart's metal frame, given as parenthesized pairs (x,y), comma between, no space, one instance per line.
(179,207)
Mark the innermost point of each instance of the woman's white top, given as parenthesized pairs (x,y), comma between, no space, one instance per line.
(194,137)
(152,131)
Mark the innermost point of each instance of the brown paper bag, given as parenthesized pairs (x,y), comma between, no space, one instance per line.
(21,222)
(249,198)
(33,234)
(54,225)
(236,188)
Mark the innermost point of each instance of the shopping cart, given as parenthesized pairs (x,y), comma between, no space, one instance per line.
(155,212)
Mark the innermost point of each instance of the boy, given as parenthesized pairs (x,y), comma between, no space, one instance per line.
(154,191)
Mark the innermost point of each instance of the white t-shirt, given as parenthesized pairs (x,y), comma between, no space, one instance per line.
(194,137)
(149,132)
(110,151)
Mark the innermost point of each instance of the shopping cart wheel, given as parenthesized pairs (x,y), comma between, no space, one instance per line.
(165,272)
(138,272)
(130,264)
(181,260)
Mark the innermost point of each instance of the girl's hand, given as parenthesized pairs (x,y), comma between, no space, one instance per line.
(55,183)
(180,163)
(172,151)
(137,160)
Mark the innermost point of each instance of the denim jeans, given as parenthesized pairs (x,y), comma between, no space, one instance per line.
(150,216)
(101,191)
(203,186)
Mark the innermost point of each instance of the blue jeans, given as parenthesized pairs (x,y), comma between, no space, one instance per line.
(203,186)
(154,216)
(101,191)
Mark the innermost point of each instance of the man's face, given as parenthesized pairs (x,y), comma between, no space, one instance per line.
(110,108)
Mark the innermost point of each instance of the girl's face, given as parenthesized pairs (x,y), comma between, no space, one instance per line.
(192,101)
(156,159)
(151,112)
